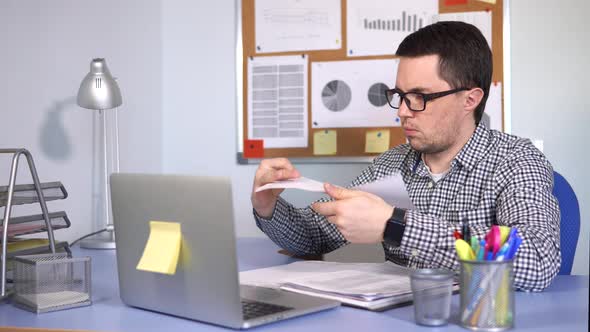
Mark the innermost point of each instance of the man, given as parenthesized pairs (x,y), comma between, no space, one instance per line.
(455,171)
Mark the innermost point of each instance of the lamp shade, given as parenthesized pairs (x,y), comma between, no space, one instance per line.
(99,90)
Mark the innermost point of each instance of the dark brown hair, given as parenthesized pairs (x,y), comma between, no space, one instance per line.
(465,57)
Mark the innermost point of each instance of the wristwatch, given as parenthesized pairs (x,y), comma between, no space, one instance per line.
(394,229)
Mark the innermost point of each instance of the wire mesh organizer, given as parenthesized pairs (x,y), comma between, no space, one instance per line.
(19,194)
(51,282)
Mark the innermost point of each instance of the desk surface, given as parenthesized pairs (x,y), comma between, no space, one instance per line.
(563,306)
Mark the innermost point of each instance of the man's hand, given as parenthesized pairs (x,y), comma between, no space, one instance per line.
(270,170)
(360,216)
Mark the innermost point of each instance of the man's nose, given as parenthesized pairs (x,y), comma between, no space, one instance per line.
(404,111)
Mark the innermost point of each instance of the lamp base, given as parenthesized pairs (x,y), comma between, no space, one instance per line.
(99,241)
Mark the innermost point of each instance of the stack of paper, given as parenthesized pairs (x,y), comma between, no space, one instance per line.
(373,286)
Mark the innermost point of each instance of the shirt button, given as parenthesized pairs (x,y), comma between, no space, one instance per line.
(430,184)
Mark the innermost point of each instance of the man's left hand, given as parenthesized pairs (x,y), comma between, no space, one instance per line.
(360,216)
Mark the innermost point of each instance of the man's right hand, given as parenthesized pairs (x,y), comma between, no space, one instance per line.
(270,170)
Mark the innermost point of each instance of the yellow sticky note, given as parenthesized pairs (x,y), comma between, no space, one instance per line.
(377,141)
(162,248)
(324,142)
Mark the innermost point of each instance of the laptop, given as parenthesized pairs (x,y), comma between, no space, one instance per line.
(205,286)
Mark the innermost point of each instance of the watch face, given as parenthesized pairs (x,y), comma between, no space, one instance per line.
(399,215)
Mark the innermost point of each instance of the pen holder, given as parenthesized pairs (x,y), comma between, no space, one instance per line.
(50,282)
(487,295)
(432,290)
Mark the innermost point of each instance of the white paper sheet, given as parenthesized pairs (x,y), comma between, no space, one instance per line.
(354,283)
(351,94)
(482,20)
(391,189)
(492,116)
(298,183)
(276,276)
(377,27)
(297,25)
(277,101)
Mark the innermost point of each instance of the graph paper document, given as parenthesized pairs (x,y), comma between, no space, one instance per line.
(277,100)
(297,25)
(373,286)
(377,27)
(482,20)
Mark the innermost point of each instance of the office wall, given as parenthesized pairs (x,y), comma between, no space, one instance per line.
(45,51)
(550,70)
(199,112)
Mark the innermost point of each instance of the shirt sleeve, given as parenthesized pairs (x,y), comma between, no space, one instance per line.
(527,203)
(524,200)
(302,231)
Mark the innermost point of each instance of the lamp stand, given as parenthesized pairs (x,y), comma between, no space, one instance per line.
(106,241)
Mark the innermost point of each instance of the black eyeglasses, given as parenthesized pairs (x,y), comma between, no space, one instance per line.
(416,101)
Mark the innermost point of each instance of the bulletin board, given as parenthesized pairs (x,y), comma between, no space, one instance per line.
(351,143)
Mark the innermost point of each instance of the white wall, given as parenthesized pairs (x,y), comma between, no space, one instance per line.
(199,111)
(45,51)
(550,86)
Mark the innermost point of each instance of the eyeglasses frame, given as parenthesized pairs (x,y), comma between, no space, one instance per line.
(426,96)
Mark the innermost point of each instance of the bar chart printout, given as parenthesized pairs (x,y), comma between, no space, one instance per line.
(377,27)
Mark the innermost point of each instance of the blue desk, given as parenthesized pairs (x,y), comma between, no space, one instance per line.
(562,307)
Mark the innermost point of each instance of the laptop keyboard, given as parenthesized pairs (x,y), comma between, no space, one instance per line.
(253,309)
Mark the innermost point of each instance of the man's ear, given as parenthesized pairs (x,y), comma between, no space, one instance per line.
(473,98)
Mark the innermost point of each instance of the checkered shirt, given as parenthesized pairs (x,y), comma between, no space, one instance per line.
(495,179)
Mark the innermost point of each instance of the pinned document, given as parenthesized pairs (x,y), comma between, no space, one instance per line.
(162,248)
(324,142)
(377,141)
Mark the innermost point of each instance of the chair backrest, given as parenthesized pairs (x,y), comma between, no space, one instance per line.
(570,221)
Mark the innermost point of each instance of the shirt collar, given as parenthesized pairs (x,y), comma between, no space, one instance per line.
(475,149)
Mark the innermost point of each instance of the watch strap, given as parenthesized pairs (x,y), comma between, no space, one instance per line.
(395,227)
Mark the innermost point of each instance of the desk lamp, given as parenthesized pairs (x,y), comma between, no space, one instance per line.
(99,91)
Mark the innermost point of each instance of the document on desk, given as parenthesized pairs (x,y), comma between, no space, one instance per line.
(373,286)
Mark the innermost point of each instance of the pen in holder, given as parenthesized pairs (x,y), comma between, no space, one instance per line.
(487,295)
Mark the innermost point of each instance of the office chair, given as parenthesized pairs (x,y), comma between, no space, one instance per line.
(570,221)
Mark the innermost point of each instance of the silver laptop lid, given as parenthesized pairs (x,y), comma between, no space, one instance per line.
(205,286)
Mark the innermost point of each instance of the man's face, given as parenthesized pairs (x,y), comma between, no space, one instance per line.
(436,128)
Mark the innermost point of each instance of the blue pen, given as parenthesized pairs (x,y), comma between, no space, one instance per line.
(515,245)
(480,252)
(512,234)
(502,252)
(504,249)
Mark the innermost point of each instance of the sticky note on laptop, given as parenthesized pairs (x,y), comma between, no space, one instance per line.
(162,249)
